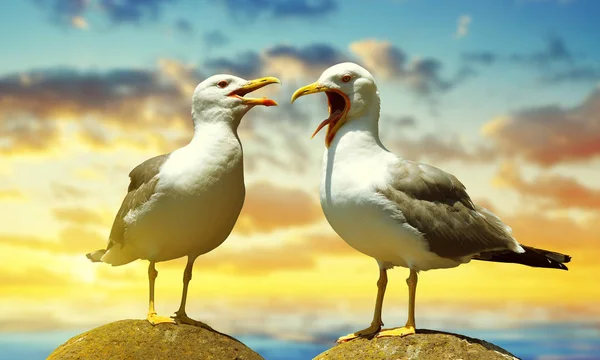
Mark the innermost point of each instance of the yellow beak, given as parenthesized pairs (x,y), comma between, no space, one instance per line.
(254,85)
(336,118)
(308,89)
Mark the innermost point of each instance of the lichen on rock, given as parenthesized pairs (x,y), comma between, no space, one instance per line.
(424,345)
(138,339)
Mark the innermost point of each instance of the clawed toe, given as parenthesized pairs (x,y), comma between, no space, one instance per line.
(182,318)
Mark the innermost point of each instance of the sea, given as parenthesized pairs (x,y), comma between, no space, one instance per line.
(562,341)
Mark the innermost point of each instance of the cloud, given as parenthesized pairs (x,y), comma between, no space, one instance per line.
(281,60)
(79,216)
(32,277)
(441,148)
(23,134)
(576,74)
(74,92)
(553,190)
(555,63)
(268,207)
(72,240)
(421,75)
(215,38)
(404,121)
(132,11)
(295,254)
(303,8)
(559,234)
(295,152)
(66,191)
(551,134)
(480,57)
(380,57)
(247,65)
(79,22)
(462,28)
(555,50)
(79,240)
(117,11)
(13,193)
(33,104)
(184,27)
(251,9)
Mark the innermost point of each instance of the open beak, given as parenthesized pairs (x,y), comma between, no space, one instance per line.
(253,85)
(339,105)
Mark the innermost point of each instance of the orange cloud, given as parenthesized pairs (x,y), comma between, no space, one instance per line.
(301,253)
(268,207)
(421,75)
(100,106)
(550,135)
(557,190)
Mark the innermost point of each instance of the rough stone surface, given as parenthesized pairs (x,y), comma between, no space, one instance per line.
(138,339)
(424,345)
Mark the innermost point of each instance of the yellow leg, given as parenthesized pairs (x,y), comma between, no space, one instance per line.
(152,317)
(377,323)
(409,328)
(180,315)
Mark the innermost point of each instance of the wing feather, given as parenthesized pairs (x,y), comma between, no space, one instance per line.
(143,180)
(437,205)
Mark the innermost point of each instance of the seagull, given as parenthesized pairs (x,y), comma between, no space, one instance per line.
(186,203)
(400,212)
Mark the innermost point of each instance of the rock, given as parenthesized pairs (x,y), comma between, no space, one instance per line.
(138,339)
(424,345)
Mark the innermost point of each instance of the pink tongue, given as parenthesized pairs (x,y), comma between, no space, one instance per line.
(332,117)
(336,114)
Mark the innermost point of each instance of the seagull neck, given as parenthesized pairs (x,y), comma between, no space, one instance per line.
(216,116)
(359,132)
(214,126)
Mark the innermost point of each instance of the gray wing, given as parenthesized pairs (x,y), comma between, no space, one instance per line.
(437,205)
(143,180)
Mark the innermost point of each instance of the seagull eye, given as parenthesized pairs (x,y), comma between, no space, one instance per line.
(346,78)
(222,84)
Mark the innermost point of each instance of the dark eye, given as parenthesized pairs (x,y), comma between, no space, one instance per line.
(222,84)
(346,78)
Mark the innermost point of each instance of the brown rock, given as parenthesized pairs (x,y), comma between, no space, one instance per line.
(424,345)
(138,339)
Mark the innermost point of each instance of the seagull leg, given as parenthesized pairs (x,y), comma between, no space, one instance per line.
(180,315)
(152,317)
(409,328)
(377,323)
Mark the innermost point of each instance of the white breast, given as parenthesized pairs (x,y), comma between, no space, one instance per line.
(352,170)
(198,199)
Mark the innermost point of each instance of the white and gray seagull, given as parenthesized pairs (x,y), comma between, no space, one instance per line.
(400,212)
(186,203)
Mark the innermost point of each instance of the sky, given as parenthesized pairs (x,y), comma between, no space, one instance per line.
(503,94)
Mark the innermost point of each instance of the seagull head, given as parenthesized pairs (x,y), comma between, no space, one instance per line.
(349,87)
(222,94)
